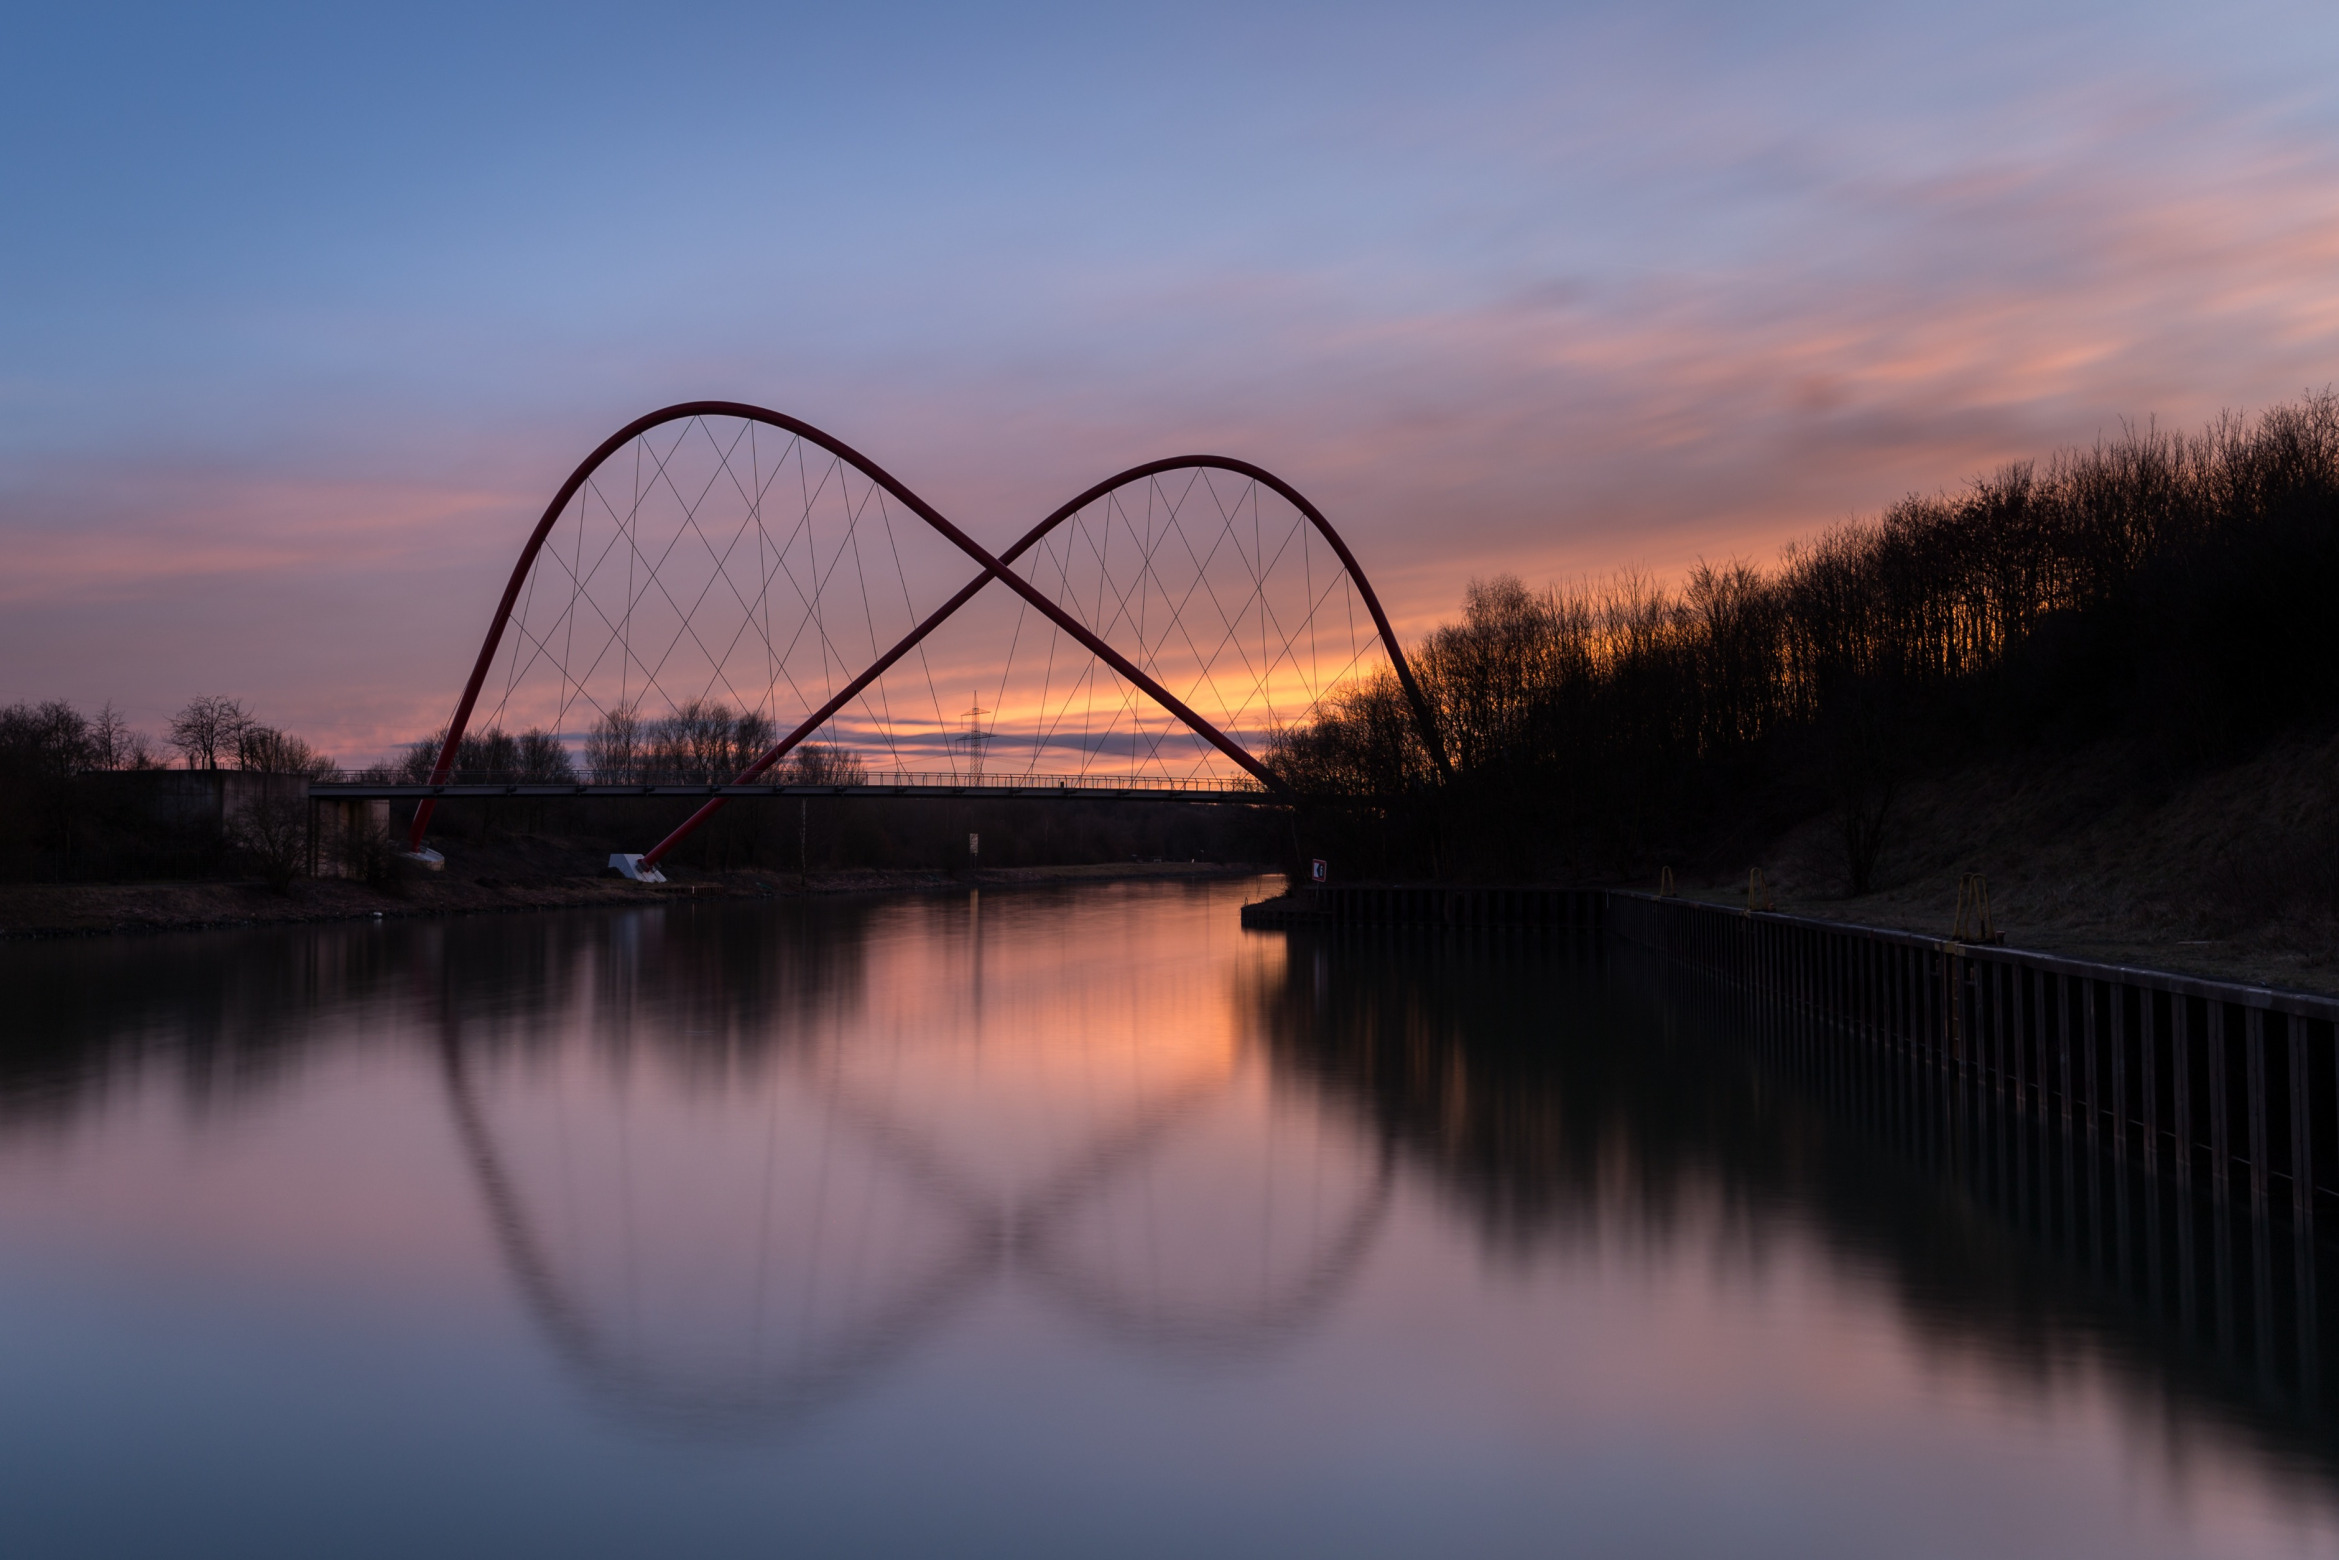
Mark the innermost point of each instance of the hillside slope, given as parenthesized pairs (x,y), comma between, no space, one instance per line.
(2096,853)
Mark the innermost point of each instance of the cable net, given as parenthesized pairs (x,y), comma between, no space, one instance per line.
(738,1181)
(1214,585)
(717,580)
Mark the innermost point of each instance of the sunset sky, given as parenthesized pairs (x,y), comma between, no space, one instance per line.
(305,311)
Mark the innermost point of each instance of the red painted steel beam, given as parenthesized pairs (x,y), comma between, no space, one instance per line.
(992,568)
(1430,738)
(552,513)
(998,569)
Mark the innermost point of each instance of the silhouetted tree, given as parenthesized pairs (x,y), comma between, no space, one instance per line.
(271,832)
(206,729)
(266,750)
(2176,588)
(114,744)
(488,756)
(614,747)
(824,763)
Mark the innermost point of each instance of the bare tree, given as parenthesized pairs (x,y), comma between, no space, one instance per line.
(272,832)
(543,757)
(692,742)
(115,744)
(265,750)
(488,755)
(614,747)
(827,763)
(49,740)
(750,739)
(370,854)
(207,729)
(2169,586)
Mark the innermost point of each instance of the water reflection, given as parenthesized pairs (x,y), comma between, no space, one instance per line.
(1493,1063)
(750,1173)
(738,1165)
(235,1013)
(798,1236)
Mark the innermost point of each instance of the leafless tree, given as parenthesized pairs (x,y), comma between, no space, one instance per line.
(692,742)
(114,744)
(2175,587)
(48,741)
(614,747)
(266,750)
(488,755)
(206,730)
(751,737)
(272,833)
(543,758)
(826,763)
(370,854)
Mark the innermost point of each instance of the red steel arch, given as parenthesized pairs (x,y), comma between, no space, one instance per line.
(991,568)
(1315,517)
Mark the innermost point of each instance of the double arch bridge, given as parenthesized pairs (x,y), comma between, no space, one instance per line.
(725,601)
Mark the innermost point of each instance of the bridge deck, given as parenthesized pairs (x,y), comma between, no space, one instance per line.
(985,787)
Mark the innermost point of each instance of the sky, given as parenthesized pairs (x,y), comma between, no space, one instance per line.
(306,310)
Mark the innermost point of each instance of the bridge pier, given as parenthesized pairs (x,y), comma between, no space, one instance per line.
(629,865)
(337,826)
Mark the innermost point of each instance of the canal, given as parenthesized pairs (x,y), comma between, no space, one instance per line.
(1072,1221)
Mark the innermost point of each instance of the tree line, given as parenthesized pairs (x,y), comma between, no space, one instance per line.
(2170,589)
(700,742)
(60,818)
(53,739)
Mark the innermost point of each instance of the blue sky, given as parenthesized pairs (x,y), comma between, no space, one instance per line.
(304,310)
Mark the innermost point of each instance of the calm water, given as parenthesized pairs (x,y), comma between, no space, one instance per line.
(1052,1223)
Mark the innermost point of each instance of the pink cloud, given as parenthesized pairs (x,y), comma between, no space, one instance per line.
(1909,331)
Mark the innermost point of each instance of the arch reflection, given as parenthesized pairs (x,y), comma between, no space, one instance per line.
(729,1258)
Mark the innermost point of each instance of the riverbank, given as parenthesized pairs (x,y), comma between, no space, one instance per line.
(2102,853)
(29,910)
(2300,957)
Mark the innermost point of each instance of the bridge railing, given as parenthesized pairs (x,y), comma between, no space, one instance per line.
(517,782)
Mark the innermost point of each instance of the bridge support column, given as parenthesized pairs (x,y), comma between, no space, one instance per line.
(631,866)
(336,825)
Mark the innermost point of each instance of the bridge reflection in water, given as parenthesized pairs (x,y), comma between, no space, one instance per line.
(724,1222)
(744,1167)
(724,1215)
